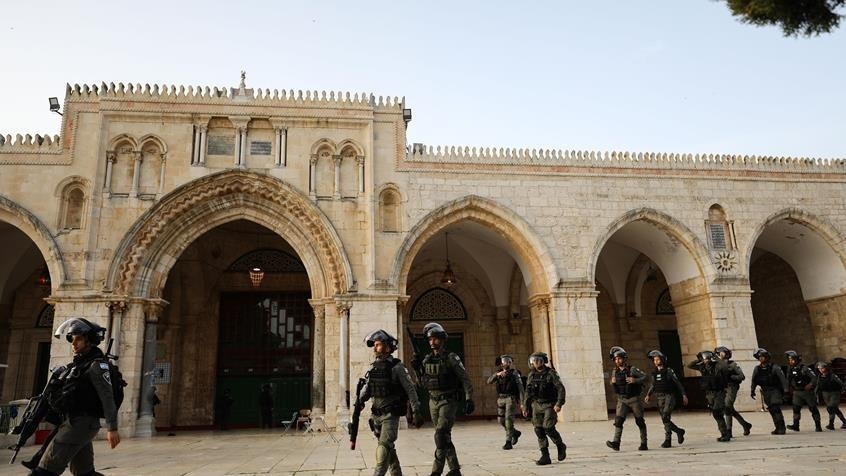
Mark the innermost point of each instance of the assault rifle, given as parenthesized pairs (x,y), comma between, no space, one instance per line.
(36,410)
(417,367)
(356,416)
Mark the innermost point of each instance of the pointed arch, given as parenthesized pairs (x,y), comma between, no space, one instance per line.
(144,257)
(827,253)
(21,218)
(155,140)
(345,144)
(698,262)
(323,144)
(123,139)
(528,250)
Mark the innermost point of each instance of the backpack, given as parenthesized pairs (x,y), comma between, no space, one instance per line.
(116,380)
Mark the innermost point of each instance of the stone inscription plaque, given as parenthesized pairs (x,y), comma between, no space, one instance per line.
(221,145)
(260,147)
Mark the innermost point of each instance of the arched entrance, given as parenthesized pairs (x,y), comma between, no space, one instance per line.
(652,291)
(797,273)
(144,268)
(487,311)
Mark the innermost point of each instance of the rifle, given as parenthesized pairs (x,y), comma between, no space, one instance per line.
(36,410)
(417,367)
(359,405)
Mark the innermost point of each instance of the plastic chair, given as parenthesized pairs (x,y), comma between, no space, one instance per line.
(318,423)
(287,424)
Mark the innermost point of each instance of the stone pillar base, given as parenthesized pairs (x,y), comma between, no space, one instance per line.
(145,427)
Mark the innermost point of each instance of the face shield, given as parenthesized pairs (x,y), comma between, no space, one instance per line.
(79,326)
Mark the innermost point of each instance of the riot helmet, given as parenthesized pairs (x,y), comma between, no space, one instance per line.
(725,349)
(657,353)
(823,365)
(93,333)
(793,354)
(617,351)
(538,356)
(706,356)
(382,336)
(433,329)
(761,351)
(506,359)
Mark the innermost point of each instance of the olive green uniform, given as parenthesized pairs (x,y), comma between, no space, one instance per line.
(714,381)
(445,378)
(510,393)
(735,377)
(544,391)
(803,381)
(88,386)
(391,388)
(773,386)
(830,387)
(667,388)
(628,401)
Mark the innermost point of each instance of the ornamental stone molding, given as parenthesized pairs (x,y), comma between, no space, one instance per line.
(142,260)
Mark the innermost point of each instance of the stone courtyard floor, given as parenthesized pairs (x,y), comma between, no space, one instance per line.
(258,452)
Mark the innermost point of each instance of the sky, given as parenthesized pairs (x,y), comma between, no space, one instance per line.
(678,76)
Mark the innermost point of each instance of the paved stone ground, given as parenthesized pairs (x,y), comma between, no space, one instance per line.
(256,452)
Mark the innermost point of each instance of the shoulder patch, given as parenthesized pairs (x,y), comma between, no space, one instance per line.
(107,377)
(104,366)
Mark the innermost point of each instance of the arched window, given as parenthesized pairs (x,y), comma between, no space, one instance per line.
(389,210)
(664,305)
(438,304)
(719,230)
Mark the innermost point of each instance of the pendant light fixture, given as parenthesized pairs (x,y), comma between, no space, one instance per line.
(448,278)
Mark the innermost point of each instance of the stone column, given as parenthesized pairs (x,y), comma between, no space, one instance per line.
(195,157)
(577,350)
(281,147)
(116,309)
(110,162)
(337,160)
(136,173)
(318,370)
(237,147)
(243,153)
(204,132)
(360,161)
(146,425)
(162,176)
(312,177)
(343,358)
(539,310)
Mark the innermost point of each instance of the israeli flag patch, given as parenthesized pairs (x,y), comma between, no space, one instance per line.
(104,366)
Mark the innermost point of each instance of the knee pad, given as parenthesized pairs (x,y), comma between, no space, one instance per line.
(640,422)
(540,432)
(618,421)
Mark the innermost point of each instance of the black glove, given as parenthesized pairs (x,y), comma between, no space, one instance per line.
(417,420)
(469,407)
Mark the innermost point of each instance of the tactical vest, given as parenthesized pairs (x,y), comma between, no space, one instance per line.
(540,387)
(621,387)
(437,374)
(508,384)
(77,395)
(798,377)
(828,384)
(380,380)
(663,382)
(765,377)
(713,379)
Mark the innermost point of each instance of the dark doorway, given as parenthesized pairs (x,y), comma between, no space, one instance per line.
(42,367)
(264,338)
(454,343)
(670,345)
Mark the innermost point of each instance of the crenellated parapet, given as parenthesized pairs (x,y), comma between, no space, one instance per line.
(422,154)
(206,94)
(28,144)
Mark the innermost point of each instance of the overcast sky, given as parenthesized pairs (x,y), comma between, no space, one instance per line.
(643,76)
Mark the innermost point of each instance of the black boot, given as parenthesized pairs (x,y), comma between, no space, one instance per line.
(747,427)
(544,459)
(668,442)
(817,426)
(562,451)
(614,445)
(454,472)
(794,426)
(516,436)
(779,428)
(680,435)
(830,425)
(507,445)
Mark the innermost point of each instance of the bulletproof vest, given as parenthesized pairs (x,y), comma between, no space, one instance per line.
(827,384)
(621,387)
(77,395)
(540,387)
(508,384)
(713,378)
(798,377)
(380,381)
(765,377)
(437,374)
(662,381)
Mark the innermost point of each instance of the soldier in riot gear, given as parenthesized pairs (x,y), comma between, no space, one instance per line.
(773,387)
(714,381)
(546,395)
(85,397)
(445,378)
(627,381)
(666,387)
(830,386)
(509,389)
(391,388)
(735,377)
(803,381)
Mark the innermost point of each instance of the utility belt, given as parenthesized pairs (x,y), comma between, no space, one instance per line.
(444,396)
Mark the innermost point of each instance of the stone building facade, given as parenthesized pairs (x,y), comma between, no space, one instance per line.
(151,210)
